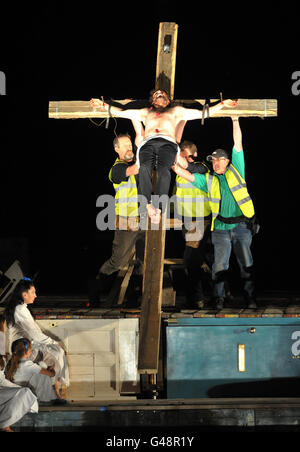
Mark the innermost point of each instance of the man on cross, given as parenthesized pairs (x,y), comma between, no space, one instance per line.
(159,148)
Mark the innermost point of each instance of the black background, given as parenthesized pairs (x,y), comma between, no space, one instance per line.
(52,171)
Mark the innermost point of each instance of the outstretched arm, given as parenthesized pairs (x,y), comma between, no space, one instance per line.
(237,134)
(191,113)
(133,114)
(183,173)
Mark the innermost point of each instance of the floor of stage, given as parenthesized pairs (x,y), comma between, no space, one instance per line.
(269,304)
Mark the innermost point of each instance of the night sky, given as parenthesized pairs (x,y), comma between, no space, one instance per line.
(52,171)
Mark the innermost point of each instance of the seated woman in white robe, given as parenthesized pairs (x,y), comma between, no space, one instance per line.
(21,324)
(15,401)
(22,371)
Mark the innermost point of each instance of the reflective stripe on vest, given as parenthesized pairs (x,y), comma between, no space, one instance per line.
(190,201)
(238,188)
(126,198)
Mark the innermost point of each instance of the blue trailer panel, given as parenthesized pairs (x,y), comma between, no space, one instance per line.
(233,357)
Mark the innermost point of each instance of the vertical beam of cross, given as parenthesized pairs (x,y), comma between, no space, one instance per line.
(166,57)
(150,320)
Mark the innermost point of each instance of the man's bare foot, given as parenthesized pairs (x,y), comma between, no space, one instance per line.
(6,429)
(154,214)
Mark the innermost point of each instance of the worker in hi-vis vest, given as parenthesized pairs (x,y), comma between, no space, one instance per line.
(192,204)
(233,215)
(128,234)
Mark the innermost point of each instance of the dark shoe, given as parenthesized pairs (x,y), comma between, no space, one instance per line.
(94,291)
(59,402)
(220,303)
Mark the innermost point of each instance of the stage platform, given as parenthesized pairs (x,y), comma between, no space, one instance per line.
(158,417)
(125,415)
(269,304)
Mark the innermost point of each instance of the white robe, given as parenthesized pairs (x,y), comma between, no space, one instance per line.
(15,402)
(28,375)
(53,354)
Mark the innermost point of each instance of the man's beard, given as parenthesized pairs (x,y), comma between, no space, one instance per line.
(160,109)
(128,158)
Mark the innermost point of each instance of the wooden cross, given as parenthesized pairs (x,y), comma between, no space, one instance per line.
(165,79)
(150,319)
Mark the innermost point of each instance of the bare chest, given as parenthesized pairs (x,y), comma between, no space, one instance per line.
(165,120)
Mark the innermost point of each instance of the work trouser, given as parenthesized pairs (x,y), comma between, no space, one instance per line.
(239,239)
(123,243)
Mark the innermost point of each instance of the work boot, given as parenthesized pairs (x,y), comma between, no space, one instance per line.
(94,292)
(98,287)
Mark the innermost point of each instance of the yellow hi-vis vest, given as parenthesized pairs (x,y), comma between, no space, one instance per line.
(190,200)
(238,188)
(126,198)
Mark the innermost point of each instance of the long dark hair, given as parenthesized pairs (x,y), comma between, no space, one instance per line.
(16,298)
(18,348)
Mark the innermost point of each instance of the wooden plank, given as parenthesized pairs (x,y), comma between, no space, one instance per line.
(150,321)
(125,282)
(76,109)
(262,108)
(118,290)
(166,57)
(173,261)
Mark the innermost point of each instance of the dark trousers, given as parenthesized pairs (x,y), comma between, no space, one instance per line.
(239,239)
(160,154)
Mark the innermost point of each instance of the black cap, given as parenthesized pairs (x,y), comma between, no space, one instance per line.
(218,153)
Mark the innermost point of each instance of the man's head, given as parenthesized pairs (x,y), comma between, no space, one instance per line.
(123,147)
(160,98)
(220,160)
(188,150)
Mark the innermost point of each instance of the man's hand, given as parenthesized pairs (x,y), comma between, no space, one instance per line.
(174,167)
(229,103)
(182,161)
(183,172)
(132,170)
(95,103)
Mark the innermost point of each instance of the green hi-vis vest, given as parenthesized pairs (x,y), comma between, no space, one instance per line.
(238,188)
(190,200)
(126,198)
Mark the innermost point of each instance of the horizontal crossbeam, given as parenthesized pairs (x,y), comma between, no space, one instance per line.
(76,109)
